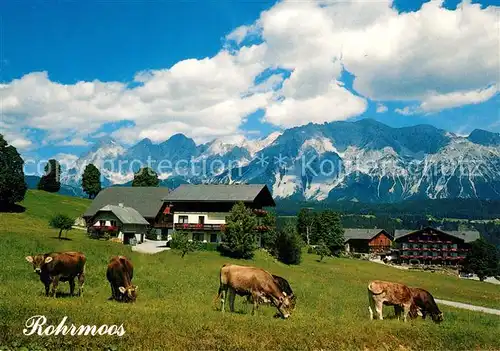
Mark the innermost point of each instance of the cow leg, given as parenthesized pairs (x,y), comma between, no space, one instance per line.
(113,292)
(406,310)
(47,288)
(371,305)
(378,307)
(71,286)
(223,297)
(397,311)
(81,281)
(255,298)
(232,296)
(55,282)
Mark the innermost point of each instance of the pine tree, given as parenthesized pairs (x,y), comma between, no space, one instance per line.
(146,177)
(50,181)
(12,185)
(329,229)
(91,181)
(239,237)
(288,247)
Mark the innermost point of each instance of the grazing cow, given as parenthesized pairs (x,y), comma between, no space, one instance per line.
(387,293)
(260,284)
(119,274)
(60,266)
(285,288)
(423,303)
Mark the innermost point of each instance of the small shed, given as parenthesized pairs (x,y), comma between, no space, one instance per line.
(126,221)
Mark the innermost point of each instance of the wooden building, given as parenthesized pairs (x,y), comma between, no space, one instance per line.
(433,246)
(367,240)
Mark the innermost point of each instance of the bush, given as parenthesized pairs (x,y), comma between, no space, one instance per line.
(151,234)
(208,246)
(288,246)
(322,250)
(181,242)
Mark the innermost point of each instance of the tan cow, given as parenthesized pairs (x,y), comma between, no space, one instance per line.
(119,274)
(247,280)
(382,293)
(60,266)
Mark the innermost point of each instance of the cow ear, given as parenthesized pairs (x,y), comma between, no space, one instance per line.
(29,259)
(136,287)
(48,259)
(122,289)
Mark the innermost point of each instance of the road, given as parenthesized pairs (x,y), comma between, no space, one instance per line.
(466,306)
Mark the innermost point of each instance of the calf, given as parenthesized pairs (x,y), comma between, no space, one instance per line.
(260,284)
(59,266)
(119,274)
(387,293)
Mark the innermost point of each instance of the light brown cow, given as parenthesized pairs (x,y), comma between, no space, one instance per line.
(247,280)
(119,274)
(382,293)
(60,266)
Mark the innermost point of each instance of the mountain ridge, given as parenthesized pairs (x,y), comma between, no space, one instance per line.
(365,160)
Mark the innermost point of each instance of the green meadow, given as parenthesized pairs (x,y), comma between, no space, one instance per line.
(175,309)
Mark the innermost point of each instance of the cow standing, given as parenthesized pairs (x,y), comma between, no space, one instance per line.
(246,280)
(426,304)
(119,274)
(60,266)
(382,293)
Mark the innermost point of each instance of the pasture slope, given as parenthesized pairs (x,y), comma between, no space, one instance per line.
(175,308)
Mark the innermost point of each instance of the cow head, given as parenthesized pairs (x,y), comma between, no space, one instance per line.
(129,293)
(286,305)
(437,317)
(38,261)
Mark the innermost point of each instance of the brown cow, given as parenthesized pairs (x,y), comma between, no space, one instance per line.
(425,303)
(60,266)
(120,273)
(387,293)
(285,288)
(260,284)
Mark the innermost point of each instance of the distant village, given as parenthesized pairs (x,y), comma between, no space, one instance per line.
(132,213)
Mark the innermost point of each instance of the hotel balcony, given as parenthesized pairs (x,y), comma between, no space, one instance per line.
(199,226)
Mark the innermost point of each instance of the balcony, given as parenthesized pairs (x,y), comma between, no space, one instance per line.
(199,226)
(259,212)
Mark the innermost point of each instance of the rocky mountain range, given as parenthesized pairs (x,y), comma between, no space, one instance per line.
(364,161)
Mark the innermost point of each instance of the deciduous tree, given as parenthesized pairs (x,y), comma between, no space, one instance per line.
(239,237)
(483,260)
(146,177)
(61,222)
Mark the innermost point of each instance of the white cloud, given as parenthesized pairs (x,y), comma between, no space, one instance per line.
(433,57)
(74,142)
(67,161)
(381,108)
(440,102)
(406,111)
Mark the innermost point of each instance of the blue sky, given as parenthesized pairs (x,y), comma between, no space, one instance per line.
(71,71)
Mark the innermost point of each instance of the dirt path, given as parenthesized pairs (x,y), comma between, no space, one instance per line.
(469,307)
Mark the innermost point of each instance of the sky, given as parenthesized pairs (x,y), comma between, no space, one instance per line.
(73,72)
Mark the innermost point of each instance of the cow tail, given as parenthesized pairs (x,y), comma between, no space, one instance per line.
(373,291)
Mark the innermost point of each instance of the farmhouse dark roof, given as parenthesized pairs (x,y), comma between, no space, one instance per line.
(361,234)
(222,193)
(145,200)
(466,236)
(126,215)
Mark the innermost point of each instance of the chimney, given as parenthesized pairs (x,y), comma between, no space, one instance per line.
(120,204)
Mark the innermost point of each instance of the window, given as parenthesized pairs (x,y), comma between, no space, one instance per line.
(434,254)
(102,223)
(198,236)
(201,219)
(454,246)
(405,245)
(424,246)
(183,219)
(213,238)
(113,223)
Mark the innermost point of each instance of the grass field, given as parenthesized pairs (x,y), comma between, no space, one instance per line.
(175,308)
